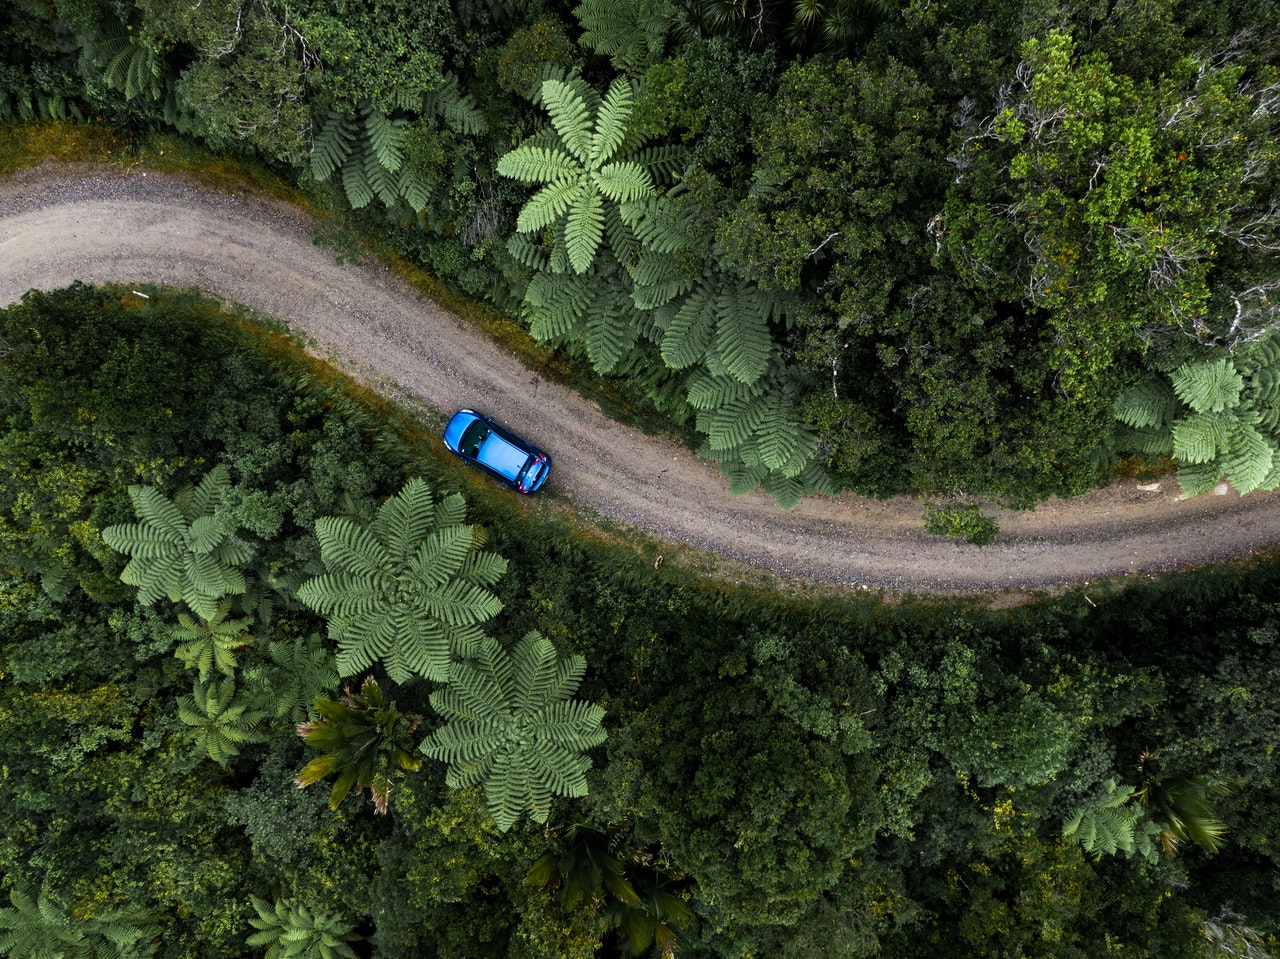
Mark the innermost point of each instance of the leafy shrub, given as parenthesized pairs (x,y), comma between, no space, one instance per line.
(968,523)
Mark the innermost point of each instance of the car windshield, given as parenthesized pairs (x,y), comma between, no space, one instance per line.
(473,438)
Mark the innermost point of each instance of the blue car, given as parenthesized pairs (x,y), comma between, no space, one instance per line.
(478,439)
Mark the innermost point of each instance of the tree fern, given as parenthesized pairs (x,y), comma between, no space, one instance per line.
(37,928)
(757,435)
(220,721)
(290,930)
(1217,418)
(511,728)
(584,167)
(358,737)
(300,671)
(407,590)
(1113,824)
(212,644)
(366,151)
(632,33)
(130,62)
(178,549)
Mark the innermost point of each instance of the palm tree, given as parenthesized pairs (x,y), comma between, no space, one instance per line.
(359,739)
(512,728)
(408,589)
(634,895)
(1183,808)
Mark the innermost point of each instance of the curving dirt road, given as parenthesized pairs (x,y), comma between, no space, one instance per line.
(60,223)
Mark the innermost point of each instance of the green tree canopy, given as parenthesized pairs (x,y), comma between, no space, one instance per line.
(179,549)
(512,728)
(409,589)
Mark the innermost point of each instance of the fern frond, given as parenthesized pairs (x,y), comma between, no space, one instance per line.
(611,123)
(570,117)
(632,33)
(1208,387)
(385,138)
(743,340)
(354,182)
(624,182)
(459,110)
(531,163)
(584,229)
(687,337)
(1199,438)
(1150,403)
(550,203)
(333,144)
(1249,459)
(611,331)
(509,728)
(557,304)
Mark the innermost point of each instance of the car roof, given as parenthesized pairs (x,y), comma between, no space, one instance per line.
(500,455)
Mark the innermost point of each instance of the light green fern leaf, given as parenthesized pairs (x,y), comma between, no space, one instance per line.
(584,229)
(558,305)
(385,138)
(570,117)
(1199,438)
(1248,460)
(511,728)
(355,183)
(687,337)
(743,340)
(550,203)
(632,33)
(1198,478)
(611,124)
(533,163)
(611,331)
(1210,387)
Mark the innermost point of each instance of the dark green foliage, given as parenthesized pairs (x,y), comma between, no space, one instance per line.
(809,777)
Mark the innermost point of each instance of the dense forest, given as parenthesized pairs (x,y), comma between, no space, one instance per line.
(876,245)
(229,574)
(276,677)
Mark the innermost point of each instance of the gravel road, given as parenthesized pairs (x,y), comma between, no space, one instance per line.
(61,223)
